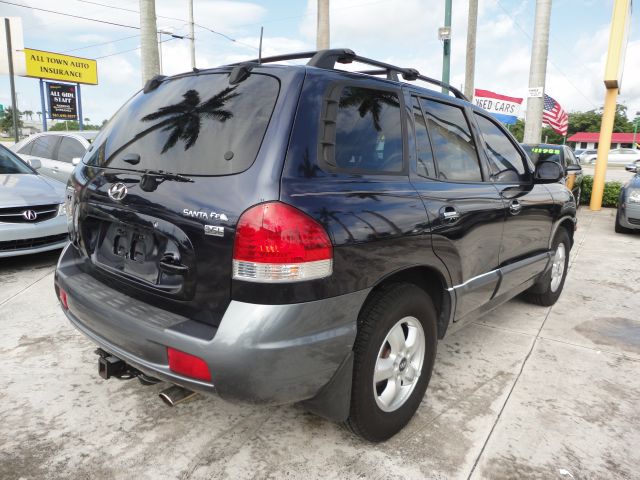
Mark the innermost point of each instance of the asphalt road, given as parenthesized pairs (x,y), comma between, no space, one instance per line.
(525,392)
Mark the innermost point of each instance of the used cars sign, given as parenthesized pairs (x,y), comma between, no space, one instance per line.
(502,107)
(55,66)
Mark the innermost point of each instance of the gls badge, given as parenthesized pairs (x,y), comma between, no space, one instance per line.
(214,230)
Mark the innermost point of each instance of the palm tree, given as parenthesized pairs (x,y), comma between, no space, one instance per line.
(28,114)
(184,118)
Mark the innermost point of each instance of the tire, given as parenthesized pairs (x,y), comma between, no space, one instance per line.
(392,320)
(619,228)
(548,289)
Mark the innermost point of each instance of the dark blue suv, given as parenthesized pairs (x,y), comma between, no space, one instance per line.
(298,233)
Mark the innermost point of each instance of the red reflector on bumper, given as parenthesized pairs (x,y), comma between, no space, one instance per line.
(63,299)
(188,365)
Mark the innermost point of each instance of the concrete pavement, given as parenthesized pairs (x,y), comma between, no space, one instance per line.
(525,392)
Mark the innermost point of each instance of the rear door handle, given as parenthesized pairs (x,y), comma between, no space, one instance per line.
(515,207)
(449,214)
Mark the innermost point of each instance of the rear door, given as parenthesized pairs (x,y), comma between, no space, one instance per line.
(528,207)
(464,208)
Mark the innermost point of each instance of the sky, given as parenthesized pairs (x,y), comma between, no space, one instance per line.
(402,32)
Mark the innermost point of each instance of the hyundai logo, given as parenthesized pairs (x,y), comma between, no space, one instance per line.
(118,191)
(30,215)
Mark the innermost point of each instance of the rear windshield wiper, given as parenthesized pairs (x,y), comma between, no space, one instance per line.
(152,178)
(167,175)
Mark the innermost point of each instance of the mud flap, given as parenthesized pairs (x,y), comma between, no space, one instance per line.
(333,401)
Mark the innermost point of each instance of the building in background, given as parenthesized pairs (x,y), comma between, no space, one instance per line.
(590,140)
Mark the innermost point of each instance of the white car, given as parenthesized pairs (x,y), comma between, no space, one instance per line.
(620,156)
(58,152)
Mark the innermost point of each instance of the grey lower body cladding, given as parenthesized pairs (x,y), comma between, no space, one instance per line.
(270,354)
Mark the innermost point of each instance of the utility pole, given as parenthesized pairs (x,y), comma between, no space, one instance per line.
(148,40)
(470,66)
(537,72)
(445,35)
(618,39)
(192,38)
(14,102)
(322,34)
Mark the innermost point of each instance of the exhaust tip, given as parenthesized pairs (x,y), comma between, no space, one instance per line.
(175,394)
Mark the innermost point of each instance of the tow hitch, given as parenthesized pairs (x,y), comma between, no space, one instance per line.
(111,366)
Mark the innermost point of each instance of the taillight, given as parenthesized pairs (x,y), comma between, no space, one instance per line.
(276,242)
(188,365)
(63,299)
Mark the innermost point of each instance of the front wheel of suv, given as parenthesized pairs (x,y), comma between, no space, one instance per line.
(548,289)
(394,354)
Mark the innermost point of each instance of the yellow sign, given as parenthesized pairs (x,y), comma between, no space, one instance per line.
(55,66)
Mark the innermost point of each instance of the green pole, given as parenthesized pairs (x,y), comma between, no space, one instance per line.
(635,131)
(446,47)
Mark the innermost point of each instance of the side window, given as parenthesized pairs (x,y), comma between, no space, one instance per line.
(571,158)
(505,162)
(453,147)
(425,166)
(70,148)
(26,148)
(368,131)
(44,146)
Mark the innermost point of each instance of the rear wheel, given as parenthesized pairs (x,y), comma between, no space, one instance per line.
(618,227)
(394,354)
(548,289)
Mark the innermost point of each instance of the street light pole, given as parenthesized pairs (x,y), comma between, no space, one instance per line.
(446,44)
(470,66)
(192,38)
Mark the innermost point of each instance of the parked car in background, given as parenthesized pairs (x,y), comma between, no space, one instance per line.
(628,214)
(585,153)
(58,152)
(620,156)
(32,215)
(563,155)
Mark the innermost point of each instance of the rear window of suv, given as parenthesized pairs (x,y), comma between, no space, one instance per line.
(193,125)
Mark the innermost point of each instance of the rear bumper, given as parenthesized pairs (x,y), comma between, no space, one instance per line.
(630,216)
(259,353)
(25,238)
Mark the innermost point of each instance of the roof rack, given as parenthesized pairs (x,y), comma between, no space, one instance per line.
(328,59)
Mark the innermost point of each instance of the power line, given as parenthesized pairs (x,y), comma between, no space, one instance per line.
(549,57)
(100,44)
(132,49)
(231,39)
(71,15)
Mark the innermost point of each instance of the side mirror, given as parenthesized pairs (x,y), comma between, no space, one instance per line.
(633,168)
(76,160)
(35,163)
(548,172)
(573,168)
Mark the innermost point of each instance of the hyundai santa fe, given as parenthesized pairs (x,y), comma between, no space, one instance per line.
(299,233)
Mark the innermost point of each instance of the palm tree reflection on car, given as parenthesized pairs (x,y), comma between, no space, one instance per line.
(184,119)
(369,101)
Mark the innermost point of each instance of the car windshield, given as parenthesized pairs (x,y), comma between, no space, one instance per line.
(538,153)
(192,125)
(11,164)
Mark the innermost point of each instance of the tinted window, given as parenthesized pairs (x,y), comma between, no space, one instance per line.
(570,157)
(505,161)
(194,125)
(44,146)
(9,163)
(453,147)
(368,131)
(425,166)
(70,148)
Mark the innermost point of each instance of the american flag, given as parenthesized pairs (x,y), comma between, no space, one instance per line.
(554,116)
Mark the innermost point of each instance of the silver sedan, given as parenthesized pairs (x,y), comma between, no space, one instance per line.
(32,214)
